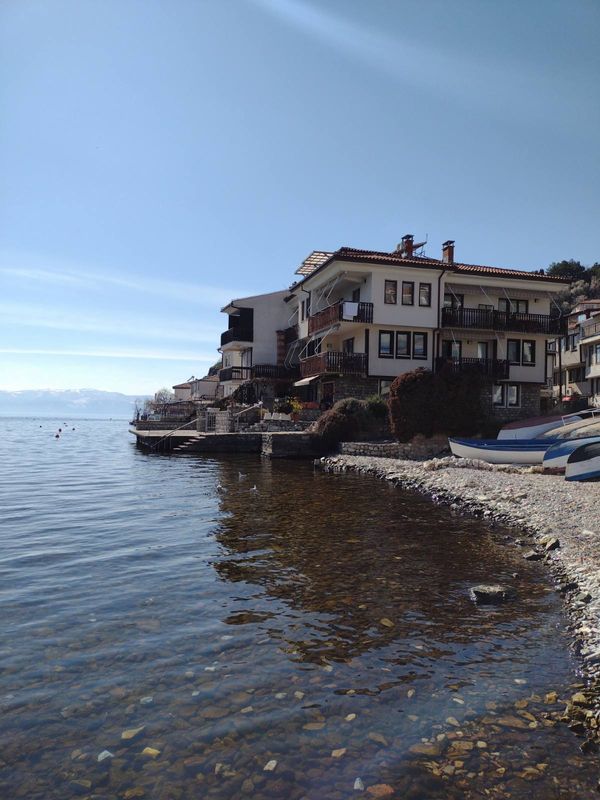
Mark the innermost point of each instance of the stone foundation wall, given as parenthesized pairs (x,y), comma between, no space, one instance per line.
(291,445)
(354,386)
(418,449)
(530,403)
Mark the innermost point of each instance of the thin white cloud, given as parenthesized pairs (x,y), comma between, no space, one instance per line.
(504,88)
(36,316)
(151,355)
(27,268)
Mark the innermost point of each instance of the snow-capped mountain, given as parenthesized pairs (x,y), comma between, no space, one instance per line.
(80,402)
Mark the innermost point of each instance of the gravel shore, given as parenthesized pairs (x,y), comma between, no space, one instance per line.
(557,520)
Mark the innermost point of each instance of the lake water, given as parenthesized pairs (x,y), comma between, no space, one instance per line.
(319,626)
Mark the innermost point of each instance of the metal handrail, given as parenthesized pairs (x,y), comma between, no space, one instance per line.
(245,411)
(170,433)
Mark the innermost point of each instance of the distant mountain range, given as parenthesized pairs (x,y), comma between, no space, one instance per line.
(79,402)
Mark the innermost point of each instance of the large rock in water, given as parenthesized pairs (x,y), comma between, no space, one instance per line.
(493,593)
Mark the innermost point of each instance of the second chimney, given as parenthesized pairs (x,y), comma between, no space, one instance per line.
(448,252)
(407,245)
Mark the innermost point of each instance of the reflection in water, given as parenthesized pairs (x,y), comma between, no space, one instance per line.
(321,622)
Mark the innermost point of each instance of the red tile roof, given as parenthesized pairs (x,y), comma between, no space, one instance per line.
(378,257)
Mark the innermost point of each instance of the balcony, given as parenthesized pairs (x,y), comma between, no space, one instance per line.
(237,334)
(588,330)
(331,362)
(271,372)
(488,367)
(335,313)
(235,374)
(484,319)
(274,372)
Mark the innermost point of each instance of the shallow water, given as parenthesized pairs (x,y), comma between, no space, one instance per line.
(320,622)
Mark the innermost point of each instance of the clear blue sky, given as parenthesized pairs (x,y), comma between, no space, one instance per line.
(159,157)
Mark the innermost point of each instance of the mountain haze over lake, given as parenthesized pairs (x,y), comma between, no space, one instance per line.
(68,402)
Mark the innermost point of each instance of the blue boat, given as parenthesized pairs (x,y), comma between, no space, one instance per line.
(501,451)
(584,463)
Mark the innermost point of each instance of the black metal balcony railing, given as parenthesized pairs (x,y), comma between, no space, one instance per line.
(235,374)
(335,313)
(264,371)
(274,372)
(490,367)
(332,362)
(590,329)
(236,335)
(490,319)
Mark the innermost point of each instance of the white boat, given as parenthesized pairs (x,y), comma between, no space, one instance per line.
(494,451)
(535,426)
(584,463)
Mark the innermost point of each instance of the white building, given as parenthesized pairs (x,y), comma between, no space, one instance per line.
(365,317)
(253,346)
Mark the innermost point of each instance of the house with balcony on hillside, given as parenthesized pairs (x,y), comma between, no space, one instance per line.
(254,345)
(364,317)
(589,344)
(574,367)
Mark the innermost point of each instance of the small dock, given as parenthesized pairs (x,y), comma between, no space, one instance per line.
(280,444)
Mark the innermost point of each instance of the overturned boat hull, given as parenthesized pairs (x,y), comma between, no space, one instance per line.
(558,454)
(584,463)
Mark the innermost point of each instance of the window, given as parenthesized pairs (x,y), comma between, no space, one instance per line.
(303,310)
(348,345)
(451,348)
(386,344)
(384,386)
(452,300)
(308,298)
(408,293)
(513,395)
(485,307)
(513,351)
(419,345)
(528,353)
(356,295)
(424,294)
(314,348)
(498,395)
(402,344)
(514,306)
(391,292)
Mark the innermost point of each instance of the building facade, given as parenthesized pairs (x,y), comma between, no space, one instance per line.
(577,357)
(253,346)
(365,317)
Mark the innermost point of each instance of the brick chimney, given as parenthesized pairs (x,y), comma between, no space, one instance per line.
(406,246)
(448,252)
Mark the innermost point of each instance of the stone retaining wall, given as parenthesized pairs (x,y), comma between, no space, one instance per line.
(416,450)
(291,445)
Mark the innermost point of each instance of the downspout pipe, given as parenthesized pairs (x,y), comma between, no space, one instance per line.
(439,319)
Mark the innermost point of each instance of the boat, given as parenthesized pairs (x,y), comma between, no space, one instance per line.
(527,451)
(558,454)
(584,463)
(535,426)
(496,451)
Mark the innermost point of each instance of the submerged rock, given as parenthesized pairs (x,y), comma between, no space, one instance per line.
(485,594)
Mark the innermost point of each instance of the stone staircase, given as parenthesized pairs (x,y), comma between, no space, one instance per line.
(184,446)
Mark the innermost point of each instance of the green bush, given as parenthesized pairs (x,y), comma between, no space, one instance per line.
(377,406)
(335,427)
(348,420)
